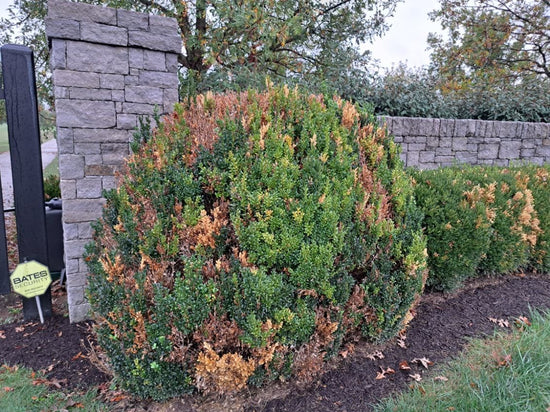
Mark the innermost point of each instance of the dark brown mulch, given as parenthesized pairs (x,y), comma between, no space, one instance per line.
(439,331)
(57,347)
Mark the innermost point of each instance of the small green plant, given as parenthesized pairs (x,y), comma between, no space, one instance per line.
(253,235)
(508,372)
(51,187)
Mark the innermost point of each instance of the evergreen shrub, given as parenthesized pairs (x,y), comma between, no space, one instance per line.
(253,236)
(484,221)
(539,185)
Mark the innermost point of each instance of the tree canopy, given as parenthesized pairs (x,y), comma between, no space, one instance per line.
(228,43)
(492,42)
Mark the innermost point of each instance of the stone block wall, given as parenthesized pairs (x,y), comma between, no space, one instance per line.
(432,143)
(109,68)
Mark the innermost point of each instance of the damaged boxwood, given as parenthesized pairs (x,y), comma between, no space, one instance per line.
(253,236)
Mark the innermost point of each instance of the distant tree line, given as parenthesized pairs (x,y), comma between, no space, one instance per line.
(491,63)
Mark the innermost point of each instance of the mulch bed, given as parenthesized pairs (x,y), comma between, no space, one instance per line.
(441,328)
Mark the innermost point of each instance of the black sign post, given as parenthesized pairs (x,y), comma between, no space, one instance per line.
(4,268)
(26,162)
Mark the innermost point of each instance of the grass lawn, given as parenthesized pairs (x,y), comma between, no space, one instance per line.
(52,169)
(4,147)
(46,134)
(509,372)
(24,390)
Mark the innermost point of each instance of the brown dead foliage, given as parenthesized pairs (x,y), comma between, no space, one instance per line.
(114,268)
(350,115)
(527,224)
(201,118)
(309,359)
(180,346)
(356,306)
(264,355)
(221,374)
(209,226)
(224,364)
(376,206)
(220,333)
(140,334)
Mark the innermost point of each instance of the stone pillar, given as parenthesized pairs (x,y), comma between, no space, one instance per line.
(109,68)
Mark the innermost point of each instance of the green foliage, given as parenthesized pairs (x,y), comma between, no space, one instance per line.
(492,41)
(457,229)
(252,235)
(494,58)
(405,92)
(508,372)
(230,45)
(539,185)
(51,187)
(2,109)
(483,220)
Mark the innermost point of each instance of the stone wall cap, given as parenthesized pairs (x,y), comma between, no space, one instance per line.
(63,9)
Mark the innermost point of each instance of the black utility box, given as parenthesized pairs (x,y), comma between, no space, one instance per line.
(54,232)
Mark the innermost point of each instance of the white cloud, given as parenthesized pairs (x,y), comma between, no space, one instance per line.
(406,41)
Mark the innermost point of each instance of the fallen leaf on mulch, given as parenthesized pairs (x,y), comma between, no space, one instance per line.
(48,369)
(348,350)
(424,361)
(441,378)
(19,329)
(382,374)
(503,323)
(2,334)
(79,355)
(416,377)
(401,341)
(375,355)
(404,365)
(8,389)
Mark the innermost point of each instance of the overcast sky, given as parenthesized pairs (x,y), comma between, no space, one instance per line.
(3,6)
(405,41)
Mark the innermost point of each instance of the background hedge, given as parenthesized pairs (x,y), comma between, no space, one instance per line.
(484,221)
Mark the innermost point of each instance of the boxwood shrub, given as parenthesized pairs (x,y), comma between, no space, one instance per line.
(251,237)
(484,221)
